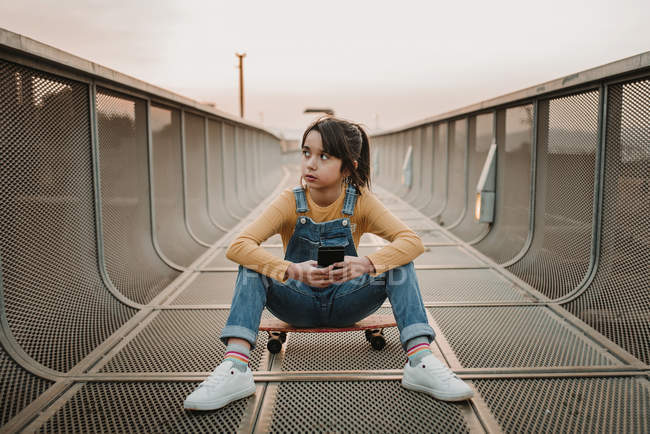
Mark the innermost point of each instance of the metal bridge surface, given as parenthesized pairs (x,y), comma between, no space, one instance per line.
(118,200)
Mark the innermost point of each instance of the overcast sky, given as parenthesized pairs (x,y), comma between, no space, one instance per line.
(380,63)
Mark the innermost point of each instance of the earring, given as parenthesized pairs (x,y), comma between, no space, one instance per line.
(347,180)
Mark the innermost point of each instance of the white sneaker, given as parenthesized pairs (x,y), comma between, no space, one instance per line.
(225,385)
(433,377)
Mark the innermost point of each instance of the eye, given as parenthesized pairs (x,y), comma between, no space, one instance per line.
(325,156)
(305,152)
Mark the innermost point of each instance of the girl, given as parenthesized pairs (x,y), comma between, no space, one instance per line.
(335,207)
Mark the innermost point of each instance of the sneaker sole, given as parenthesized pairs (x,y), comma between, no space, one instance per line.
(219,403)
(436,394)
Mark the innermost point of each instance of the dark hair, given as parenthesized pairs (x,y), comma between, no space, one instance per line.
(348,141)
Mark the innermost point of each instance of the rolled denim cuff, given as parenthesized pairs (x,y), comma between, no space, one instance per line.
(234,331)
(415,330)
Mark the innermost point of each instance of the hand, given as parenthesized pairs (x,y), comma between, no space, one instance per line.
(308,272)
(351,267)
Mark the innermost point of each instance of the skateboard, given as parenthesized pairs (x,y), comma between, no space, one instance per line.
(373,326)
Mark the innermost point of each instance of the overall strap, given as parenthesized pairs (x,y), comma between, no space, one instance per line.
(301,200)
(350,200)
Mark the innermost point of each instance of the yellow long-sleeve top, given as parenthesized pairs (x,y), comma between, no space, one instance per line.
(370,215)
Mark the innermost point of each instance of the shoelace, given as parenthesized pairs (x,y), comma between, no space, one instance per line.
(442,372)
(217,377)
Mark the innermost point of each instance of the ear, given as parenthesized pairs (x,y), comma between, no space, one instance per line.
(346,172)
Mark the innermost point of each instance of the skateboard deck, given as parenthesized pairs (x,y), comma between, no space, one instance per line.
(373,325)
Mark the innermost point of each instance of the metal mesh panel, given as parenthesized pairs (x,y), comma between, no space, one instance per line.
(446,255)
(585,405)
(273,239)
(439,169)
(360,406)
(512,207)
(515,336)
(342,351)
(418,165)
(47,220)
(426,162)
(209,288)
(197,201)
(231,185)
(456,177)
(181,341)
(392,145)
(419,223)
(384,160)
(131,261)
(480,136)
(433,236)
(411,140)
(249,167)
(240,164)
(617,303)
(365,251)
(220,259)
(389,150)
(18,388)
(171,232)
(466,285)
(141,407)
(215,175)
(559,256)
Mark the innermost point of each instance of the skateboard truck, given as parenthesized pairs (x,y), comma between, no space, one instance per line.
(373,327)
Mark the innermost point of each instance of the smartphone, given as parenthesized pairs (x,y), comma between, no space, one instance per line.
(327,255)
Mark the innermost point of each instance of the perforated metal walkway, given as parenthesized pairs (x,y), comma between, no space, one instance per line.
(535,366)
(118,199)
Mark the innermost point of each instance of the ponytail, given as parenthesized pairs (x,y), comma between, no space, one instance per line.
(362,172)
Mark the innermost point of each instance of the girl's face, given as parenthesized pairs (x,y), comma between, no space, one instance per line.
(319,170)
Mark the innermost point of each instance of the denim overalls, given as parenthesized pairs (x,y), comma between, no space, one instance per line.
(339,304)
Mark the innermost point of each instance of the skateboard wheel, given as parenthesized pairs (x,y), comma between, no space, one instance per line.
(274,345)
(368,334)
(378,342)
(283,337)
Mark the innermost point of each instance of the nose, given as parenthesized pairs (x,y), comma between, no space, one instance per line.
(311,162)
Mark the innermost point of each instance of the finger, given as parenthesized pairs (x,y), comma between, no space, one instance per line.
(316,278)
(321,273)
(323,283)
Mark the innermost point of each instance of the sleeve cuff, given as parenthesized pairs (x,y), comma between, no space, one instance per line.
(279,273)
(379,268)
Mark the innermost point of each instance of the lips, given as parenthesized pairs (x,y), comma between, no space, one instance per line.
(310,178)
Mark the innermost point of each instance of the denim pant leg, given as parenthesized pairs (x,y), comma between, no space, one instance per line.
(246,308)
(292,302)
(405,298)
(360,297)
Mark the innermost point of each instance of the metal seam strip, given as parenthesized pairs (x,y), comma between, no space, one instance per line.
(206,163)
(430,188)
(379,374)
(466,179)
(443,206)
(185,187)
(533,189)
(223,174)
(152,209)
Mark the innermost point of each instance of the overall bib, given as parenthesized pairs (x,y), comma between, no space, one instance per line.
(337,305)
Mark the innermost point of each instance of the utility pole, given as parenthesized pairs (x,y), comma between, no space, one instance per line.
(241,83)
